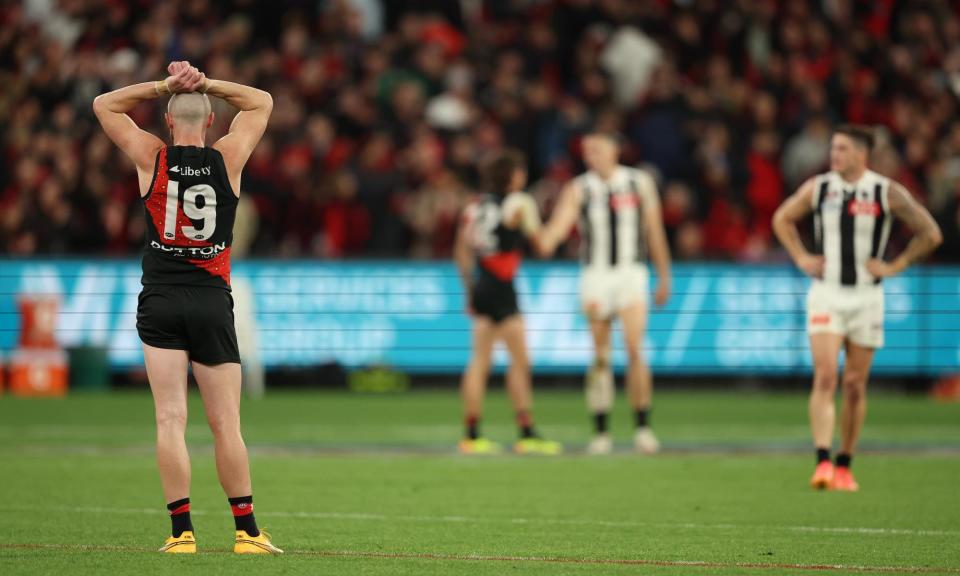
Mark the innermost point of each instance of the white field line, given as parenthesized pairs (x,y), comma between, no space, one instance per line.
(381,555)
(364,516)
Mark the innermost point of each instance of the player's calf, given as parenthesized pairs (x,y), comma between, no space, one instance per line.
(600,389)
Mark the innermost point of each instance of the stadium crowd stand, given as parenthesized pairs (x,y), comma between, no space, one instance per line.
(382,110)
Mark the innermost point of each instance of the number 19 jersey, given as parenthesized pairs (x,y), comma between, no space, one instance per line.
(190,209)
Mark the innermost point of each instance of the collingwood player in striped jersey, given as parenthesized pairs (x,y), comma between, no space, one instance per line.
(619,217)
(852,209)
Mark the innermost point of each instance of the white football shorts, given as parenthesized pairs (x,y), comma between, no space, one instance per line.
(855,312)
(604,292)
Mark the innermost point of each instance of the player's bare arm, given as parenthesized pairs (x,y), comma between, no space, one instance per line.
(524,215)
(139,145)
(926,233)
(562,220)
(659,248)
(794,209)
(462,252)
(247,127)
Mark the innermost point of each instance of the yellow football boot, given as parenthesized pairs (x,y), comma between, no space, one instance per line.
(479,446)
(261,544)
(537,446)
(185,543)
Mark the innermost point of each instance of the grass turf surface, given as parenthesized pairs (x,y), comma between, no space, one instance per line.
(353,484)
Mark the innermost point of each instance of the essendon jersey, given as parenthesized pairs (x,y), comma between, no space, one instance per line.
(851,225)
(190,209)
(498,248)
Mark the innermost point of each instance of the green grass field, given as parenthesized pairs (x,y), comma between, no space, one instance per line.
(352,484)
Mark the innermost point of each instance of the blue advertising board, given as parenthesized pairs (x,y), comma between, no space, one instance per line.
(723,319)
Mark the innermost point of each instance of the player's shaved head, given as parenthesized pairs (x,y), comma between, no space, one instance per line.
(189,109)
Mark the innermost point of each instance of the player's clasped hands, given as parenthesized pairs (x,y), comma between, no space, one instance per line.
(184,77)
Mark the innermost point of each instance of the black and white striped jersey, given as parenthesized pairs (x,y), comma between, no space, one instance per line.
(851,223)
(611,217)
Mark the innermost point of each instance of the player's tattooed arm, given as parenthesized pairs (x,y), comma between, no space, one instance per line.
(926,233)
(659,247)
(562,220)
(111,110)
(794,209)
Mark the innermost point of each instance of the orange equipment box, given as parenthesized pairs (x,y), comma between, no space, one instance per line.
(38,372)
(38,320)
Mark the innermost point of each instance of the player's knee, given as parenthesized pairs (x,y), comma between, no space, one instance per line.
(171,419)
(520,364)
(825,379)
(223,424)
(634,356)
(479,365)
(854,385)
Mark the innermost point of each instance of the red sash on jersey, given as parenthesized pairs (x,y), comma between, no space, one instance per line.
(503,265)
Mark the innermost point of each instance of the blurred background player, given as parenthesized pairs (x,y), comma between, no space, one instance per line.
(853,209)
(488,252)
(185,313)
(619,215)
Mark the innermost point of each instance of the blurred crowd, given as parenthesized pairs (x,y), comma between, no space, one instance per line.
(384,108)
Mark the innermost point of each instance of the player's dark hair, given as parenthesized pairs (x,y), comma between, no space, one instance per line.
(498,171)
(859,134)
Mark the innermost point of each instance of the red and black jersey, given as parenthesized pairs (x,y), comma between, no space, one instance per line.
(190,209)
(499,250)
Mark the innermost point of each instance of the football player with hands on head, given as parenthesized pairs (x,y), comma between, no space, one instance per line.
(185,311)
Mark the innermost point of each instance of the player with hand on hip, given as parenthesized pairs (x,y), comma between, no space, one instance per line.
(853,209)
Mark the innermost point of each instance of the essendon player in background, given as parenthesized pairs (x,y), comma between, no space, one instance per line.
(488,252)
(853,208)
(185,312)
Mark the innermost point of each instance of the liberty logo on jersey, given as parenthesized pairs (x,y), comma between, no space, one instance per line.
(188,171)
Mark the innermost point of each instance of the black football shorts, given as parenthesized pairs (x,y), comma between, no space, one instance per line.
(495,299)
(198,319)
